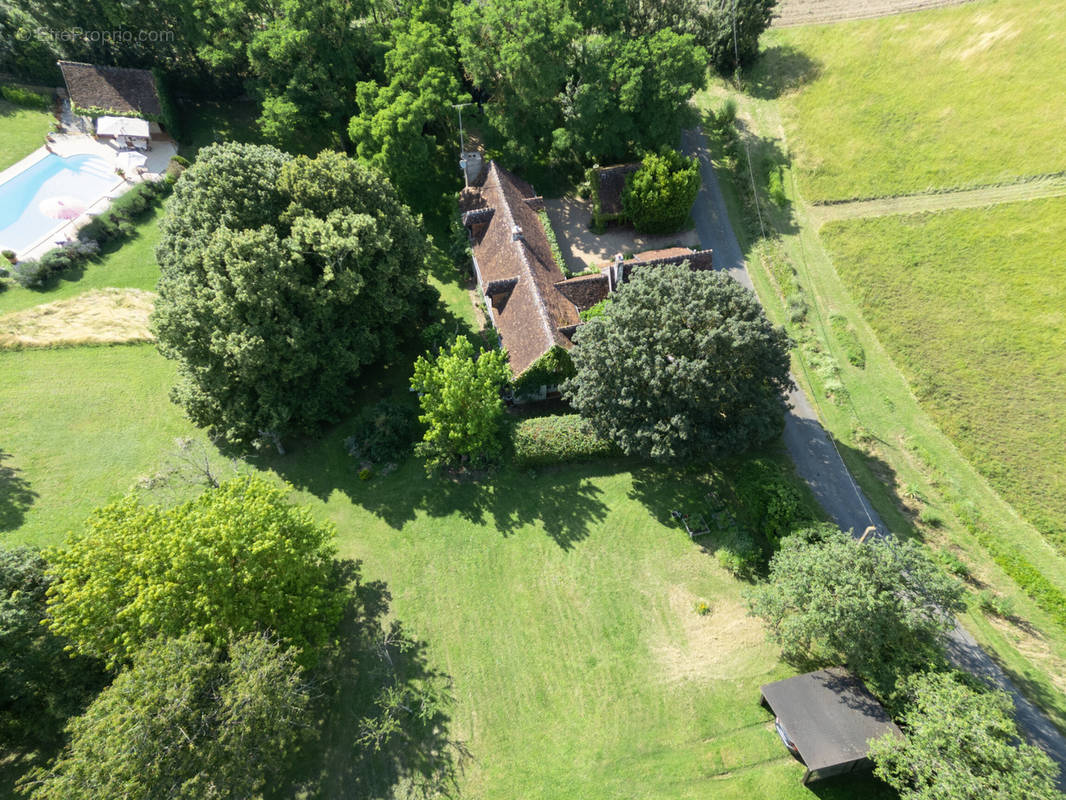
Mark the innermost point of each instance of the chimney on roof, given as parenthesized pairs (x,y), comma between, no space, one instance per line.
(516,234)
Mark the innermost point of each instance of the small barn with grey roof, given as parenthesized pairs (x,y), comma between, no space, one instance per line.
(827,718)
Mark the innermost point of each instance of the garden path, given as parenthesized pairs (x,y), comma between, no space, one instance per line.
(1034,188)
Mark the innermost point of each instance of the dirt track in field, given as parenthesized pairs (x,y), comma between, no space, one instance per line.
(1035,188)
(815,12)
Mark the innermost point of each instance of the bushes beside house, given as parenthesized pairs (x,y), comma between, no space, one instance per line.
(659,196)
(26,98)
(551,369)
(542,441)
(114,225)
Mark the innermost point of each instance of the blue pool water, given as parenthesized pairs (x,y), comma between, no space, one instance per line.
(85,177)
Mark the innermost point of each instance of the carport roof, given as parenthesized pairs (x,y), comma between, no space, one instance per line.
(829,715)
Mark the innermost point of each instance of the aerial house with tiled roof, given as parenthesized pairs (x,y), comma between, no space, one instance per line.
(534,307)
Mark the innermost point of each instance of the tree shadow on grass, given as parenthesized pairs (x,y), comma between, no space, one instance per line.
(16,496)
(382,711)
(847,787)
(781,69)
(563,502)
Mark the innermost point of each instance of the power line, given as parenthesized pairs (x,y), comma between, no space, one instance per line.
(803,364)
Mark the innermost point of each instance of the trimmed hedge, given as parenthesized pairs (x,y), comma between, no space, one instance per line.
(169,115)
(1042,591)
(118,221)
(541,441)
(25,97)
(35,273)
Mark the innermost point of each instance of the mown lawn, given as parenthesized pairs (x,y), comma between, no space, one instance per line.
(972,306)
(961,96)
(559,602)
(128,266)
(22,130)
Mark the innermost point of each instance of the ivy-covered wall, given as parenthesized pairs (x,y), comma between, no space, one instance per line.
(551,369)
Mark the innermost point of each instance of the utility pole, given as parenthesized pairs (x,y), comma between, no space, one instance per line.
(459,107)
(462,150)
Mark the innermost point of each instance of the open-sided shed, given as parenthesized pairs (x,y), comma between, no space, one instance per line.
(827,718)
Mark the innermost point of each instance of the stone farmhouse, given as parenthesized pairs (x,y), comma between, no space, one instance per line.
(534,307)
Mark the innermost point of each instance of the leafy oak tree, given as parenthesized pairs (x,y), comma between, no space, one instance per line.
(238,559)
(880,606)
(400,123)
(659,196)
(461,404)
(961,742)
(628,94)
(683,365)
(517,51)
(184,720)
(281,278)
(41,685)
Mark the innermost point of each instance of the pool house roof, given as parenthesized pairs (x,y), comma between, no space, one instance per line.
(111,90)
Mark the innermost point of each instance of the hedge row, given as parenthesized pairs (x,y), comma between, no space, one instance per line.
(115,224)
(25,97)
(1043,592)
(541,441)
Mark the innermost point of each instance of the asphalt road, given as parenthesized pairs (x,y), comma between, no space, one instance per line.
(820,465)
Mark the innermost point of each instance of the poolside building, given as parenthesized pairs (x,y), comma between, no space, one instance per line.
(97,91)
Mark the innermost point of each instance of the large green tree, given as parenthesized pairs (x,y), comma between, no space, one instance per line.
(659,196)
(461,404)
(518,51)
(880,606)
(41,685)
(281,279)
(238,559)
(683,365)
(184,721)
(307,60)
(401,123)
(732,31)
(628,94)
(961,743)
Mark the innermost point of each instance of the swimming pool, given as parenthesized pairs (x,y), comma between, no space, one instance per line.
(82,178)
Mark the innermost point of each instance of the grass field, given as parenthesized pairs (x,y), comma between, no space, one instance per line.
(559,601)
(97,316)
(961,96)
(22,130)
(972,306)
(892,444)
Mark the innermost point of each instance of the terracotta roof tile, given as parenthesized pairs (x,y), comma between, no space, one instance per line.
(117,89)
(513,245)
